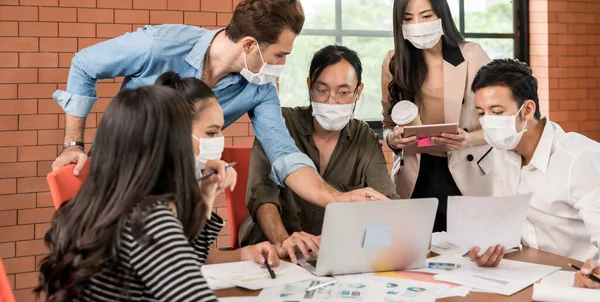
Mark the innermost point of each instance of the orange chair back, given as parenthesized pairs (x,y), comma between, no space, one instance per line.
(6,294)
(64,184)
(236,200)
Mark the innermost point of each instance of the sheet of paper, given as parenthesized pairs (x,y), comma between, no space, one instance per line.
(550,293)
(357,289)
(457,291)
(240,299)
(215,284)
(560,279)
(486,221)
(506,279)
(250,275)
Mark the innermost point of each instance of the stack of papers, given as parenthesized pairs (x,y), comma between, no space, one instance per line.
(506,279)
(558,287)
(250,275)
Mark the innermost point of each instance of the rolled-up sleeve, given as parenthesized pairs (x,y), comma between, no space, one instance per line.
(261,189)
(279,146)
(122,56)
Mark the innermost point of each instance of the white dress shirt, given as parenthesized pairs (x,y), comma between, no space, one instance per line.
(564,177)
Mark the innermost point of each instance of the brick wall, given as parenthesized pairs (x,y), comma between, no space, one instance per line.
(38,38)
(565,56)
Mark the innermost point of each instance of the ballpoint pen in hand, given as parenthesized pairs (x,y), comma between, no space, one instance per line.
(215,172)
(271,272)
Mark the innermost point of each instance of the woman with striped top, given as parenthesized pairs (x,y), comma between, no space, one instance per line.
(140,227)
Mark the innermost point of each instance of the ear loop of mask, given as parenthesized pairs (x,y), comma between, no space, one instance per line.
(261,58)
(522,118)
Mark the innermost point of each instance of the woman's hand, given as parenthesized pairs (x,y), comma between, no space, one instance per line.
(581,278)
(216,184)
(453,141)
(259,252)
(396,140)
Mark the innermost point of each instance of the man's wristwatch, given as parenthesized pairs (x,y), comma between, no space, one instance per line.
(71,144)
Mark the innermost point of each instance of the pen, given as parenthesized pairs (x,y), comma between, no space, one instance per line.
(320,285)
(215,172)
(271,272)
(591,276)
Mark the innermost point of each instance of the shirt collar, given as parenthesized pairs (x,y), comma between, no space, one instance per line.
(196,56)
(541,156)
(306,127)
(198,53)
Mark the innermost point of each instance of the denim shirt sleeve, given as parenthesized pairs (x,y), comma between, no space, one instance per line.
(122,56)
(272,133)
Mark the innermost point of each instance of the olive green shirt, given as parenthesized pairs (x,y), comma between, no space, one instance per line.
(357,162)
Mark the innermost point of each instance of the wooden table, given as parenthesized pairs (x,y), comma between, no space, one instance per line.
(526,255)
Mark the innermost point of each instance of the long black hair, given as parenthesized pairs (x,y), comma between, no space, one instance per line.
(197,93)
(333,54)
(142,155)
(408,66)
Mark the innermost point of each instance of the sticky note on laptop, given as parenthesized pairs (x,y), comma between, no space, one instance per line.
(377,237)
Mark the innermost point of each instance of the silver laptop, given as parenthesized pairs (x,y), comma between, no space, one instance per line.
(361,237)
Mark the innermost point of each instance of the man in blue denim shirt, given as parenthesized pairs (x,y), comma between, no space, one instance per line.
(238,63)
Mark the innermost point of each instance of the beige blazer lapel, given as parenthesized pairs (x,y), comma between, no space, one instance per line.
(455,78)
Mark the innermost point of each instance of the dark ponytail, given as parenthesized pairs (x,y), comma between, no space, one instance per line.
(197,92)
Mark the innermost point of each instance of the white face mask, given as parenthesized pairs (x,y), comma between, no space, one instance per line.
(423,35)
(500,132)
(332,117)
(266,74)
(210,148)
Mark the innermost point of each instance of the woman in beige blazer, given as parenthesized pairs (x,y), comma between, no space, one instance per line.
(433,67)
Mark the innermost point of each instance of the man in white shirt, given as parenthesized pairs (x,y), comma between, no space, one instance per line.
(533,154)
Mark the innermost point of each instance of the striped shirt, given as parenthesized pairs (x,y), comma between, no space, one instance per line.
(165,269)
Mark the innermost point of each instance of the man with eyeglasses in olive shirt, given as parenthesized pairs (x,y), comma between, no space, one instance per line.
(345,150)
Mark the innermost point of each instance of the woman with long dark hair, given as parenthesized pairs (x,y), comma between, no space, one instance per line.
(208,142)
(433,67)
(139,228)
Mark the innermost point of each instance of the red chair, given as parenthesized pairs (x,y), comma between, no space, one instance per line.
(64,184)
(6,294)
(236,200)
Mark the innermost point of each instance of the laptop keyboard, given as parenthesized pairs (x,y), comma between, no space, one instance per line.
(312,262)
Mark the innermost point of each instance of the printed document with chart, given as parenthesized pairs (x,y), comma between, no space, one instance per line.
(358,288)
(506,279)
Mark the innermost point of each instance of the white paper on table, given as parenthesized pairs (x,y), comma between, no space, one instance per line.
(441,246)
(250,275)
(486,221)
(358,289)
(560,278)
(240,299)
(506,279)
(459,291)
(215,284)
(550,293)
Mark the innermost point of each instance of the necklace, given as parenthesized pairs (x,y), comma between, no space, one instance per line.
(204,76)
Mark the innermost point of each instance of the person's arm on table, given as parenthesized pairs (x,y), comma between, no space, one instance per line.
(291,167)
(264,207)
(121,56)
